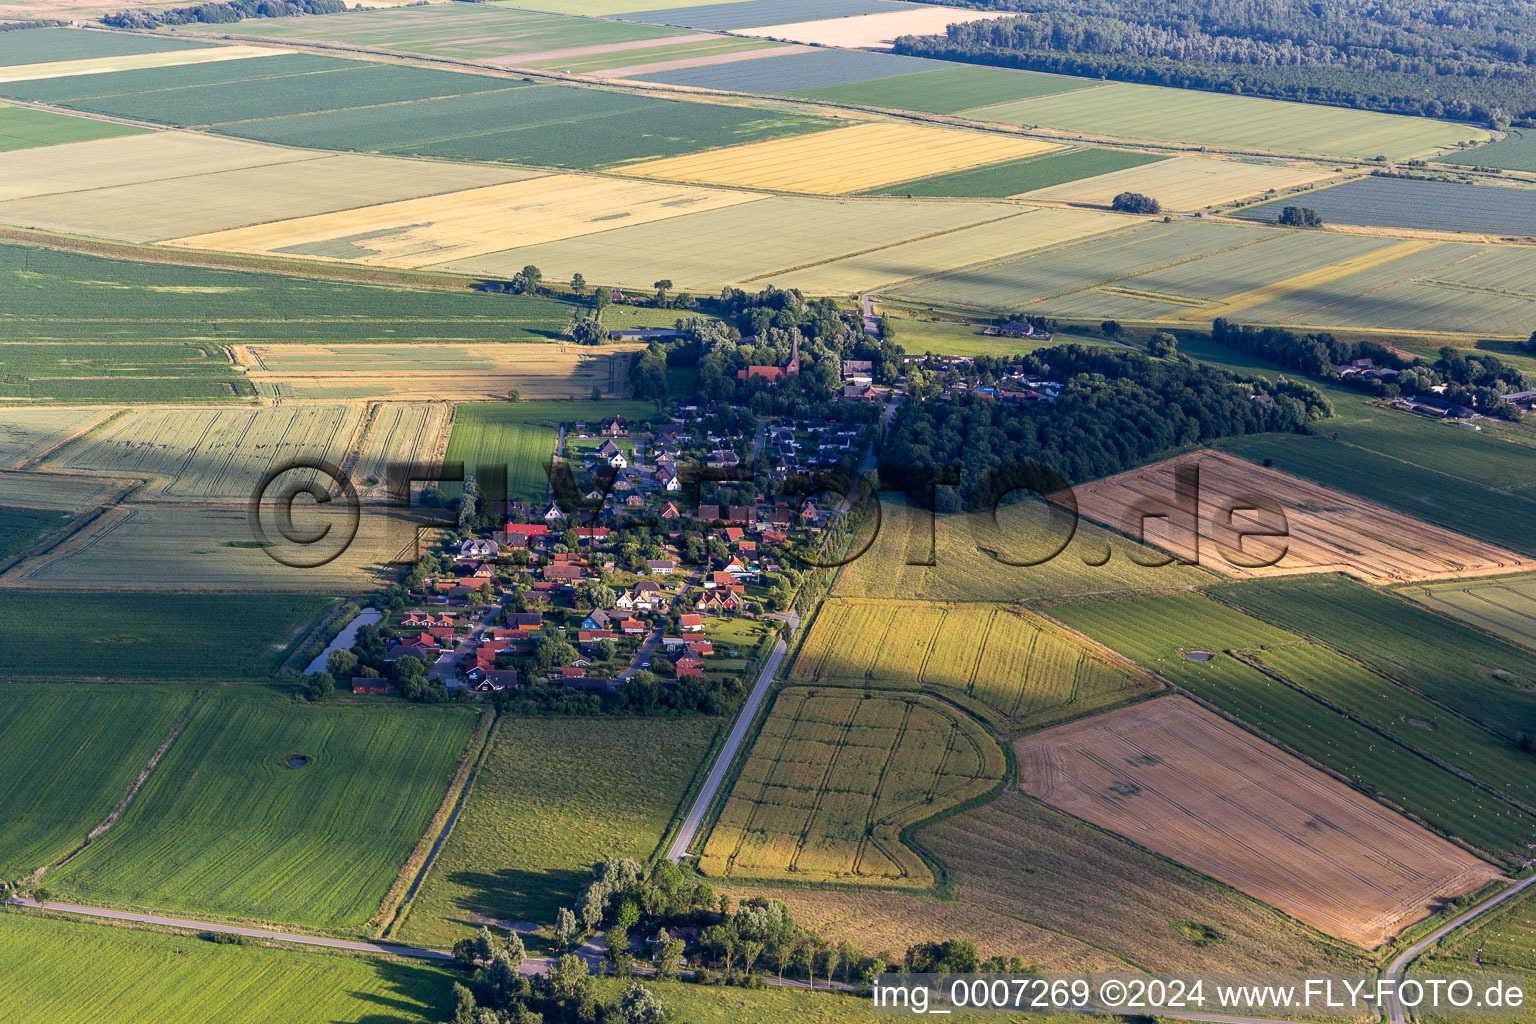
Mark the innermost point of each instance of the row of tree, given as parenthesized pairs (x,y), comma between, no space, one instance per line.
(222,12)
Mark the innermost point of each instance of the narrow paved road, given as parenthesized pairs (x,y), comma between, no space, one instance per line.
(1395,1012)
(706,795)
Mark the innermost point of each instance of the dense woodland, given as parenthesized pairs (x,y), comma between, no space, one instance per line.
(1461,59)
(1117,410)
(222,12)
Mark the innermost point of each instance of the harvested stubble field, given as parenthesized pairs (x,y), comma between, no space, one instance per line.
(436,371)
(225,826)
(398,434)
(1163,632)
(212,454)
(1000,181)
(56,492)
(704,251)
(175,547)
(872,31)
(1322,530)
(1186,183)
(1056,891)
(1228,122)
(1187,784)
(239,637)
(22,128)
(1504,607)
(1426,205)
(70,755)
(848,159)
(465,224)
(27,433)
(188,204)
(552,797)
(947,89)
(963,570)
(833,778)
(1028,671)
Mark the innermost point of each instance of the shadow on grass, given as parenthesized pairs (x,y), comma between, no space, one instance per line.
(512,894)
(416,992)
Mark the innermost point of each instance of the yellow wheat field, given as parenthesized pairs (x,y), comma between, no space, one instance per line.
(1311,279)
(851,159)
(473,222)
(872,31)
(1184,783)
(132,62)
(1185,183)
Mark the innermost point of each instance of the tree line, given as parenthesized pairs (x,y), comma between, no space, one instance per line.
(1116,410)
(222,12)
(1439,58)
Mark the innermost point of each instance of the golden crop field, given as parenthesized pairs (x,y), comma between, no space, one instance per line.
(28,433)
(834,777)
(1185,183)
(1310,279)
(158,547)
(57,491)
(1026,668)
(872,31)
(180,203)
(436,371)
(473,222)
(203,453)
(1326,530)
(399,434)
(1185,783)
(964,568)
(132,62)
(850,159)
(1031,229)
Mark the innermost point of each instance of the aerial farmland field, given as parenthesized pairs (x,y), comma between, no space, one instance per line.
(71,754)
(1026,670)
(998,181)
(794,68)
(143,975)
(1504,607)
(1325,531)
(1515,152)
(895,758)
(225,825)
(752,13)
(1163,632)
(878,31)
(28,433)
(1231,122)
(218,454)
(552,797)
(1184,183)
(21,528)
(123,372)
(946,89)
(850,159)
(1406,203)
(239,637)
(41,45)
(25,128)
(1178,772)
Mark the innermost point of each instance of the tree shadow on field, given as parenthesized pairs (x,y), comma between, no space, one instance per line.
(416,992)
(512,894)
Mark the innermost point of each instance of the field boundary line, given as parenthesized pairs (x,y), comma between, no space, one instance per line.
(133,790)
(400,897)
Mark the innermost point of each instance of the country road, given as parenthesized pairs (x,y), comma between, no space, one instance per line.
(706,796)
(1395,1012)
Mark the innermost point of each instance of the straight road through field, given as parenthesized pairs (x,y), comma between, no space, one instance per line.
(711,786)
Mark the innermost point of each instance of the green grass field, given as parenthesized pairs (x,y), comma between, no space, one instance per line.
(144,977)
(23,128)
(173,372)
(1231,122)
(947,90)
(996,181)
(1515,153)
(69,754)
(1159,631)
(518,438)
(237,637)
(553,797)
(1480,679)
(1504,607)
(20,528)
(225,827)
